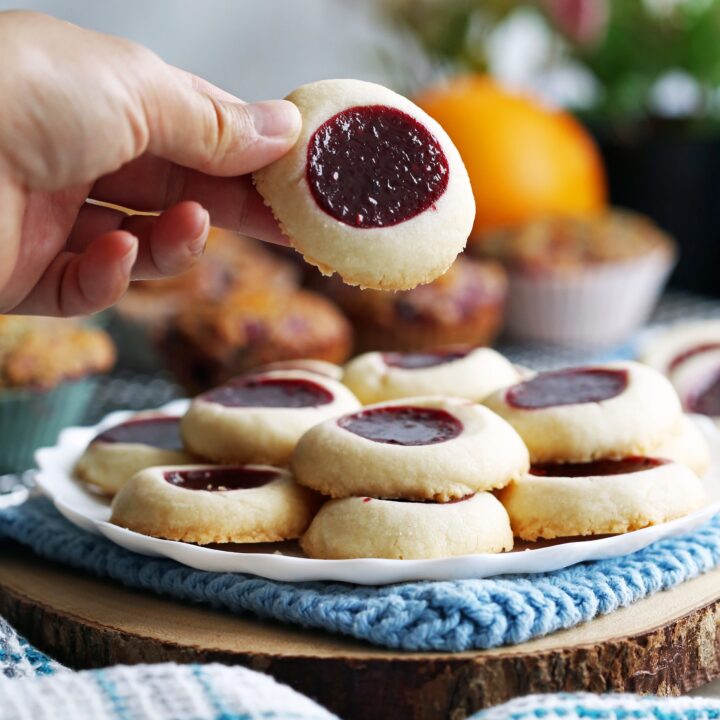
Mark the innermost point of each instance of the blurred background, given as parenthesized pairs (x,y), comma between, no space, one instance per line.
(591,132)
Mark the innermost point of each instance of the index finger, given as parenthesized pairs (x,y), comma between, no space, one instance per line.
(152,184)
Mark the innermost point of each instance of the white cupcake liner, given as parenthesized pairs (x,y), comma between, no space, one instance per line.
(595,307)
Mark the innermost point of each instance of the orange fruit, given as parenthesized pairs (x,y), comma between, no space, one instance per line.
(524,159)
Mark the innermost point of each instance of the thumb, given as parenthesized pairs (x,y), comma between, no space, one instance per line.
(212,133)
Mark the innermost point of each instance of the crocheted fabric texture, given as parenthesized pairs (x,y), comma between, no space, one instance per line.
(584,706)
(450,616)
(20,659)
(156,692)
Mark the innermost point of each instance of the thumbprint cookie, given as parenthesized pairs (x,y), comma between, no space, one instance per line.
(686,446)
(697,381)
(373,189)
(318,367)
(429,448)
(210,504)
(599,498)
(259,418)
(590,413)
(364,527)
(116,454)
(666,349)
(689,354)
(472,373)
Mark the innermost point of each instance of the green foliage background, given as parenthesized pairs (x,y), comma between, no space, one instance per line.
(639,44)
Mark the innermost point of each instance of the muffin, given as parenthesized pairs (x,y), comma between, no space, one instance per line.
(463,307)
(589,281)
(142,317)
(213,341)
(47,369)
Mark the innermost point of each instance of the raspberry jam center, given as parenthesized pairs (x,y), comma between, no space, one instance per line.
(420,360)
(374,166)
(219,479)
(159,432)
(596,468)
(271,393)
(692,352)
(403,425)
(707,402)
(567,387)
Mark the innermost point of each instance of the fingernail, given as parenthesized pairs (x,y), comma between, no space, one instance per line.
(197,246)
(275,118)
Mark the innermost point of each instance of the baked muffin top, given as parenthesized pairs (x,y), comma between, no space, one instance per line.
(262,317)
(230,261)
(40,353)
(452,298)
(569,243)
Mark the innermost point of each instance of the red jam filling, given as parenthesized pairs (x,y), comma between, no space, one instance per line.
(270,393)
(159,432)
(692,352)
(403,425)
(597,468)
(374,166)
(420,360)
(567,387)
(707,402)
(431,502)
(221,478)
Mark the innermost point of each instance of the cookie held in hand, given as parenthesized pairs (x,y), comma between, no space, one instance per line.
(373,189)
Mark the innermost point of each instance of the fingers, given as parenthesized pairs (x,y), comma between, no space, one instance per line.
(107,249)
(12,210)
(208,132)
(152,184)
(81,284)
(169,244)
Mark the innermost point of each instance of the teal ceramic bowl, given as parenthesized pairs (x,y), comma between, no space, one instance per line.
(30,419)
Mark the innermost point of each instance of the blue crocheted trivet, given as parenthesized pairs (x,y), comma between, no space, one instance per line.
(450,616)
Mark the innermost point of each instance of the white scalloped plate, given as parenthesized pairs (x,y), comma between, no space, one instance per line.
(285,562)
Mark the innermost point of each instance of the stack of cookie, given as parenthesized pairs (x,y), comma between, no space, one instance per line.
(610,448)
(248,429)
(418,459)
(454,452)
(410,479)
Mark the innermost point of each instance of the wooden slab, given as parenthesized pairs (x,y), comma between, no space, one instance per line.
(667,644)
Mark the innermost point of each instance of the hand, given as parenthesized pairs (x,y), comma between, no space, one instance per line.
(85,115)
